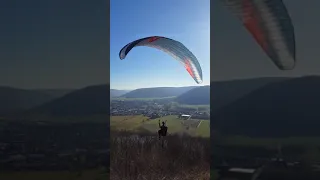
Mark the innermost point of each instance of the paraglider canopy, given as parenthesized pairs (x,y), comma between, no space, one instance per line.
(268,21)
(172,47)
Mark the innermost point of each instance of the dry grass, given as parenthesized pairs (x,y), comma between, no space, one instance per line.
(142,157)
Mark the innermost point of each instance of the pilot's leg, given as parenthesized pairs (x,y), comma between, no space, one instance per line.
(159,133)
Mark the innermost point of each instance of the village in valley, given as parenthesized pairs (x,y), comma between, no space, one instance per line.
(188,116)
(44,146)
(155,109)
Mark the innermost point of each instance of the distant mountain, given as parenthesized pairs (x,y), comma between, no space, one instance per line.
(117,93)
(56,93)
(226,92)
(87,101)
(15,100)
(95,99)
(157,92)
(195,96)
(279,109)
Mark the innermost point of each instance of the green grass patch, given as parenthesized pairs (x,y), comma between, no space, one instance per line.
(204,129)
(175,125)
(214,174)
(126,122)
(141,99)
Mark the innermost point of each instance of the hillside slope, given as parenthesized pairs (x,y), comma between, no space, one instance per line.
(55,93)
(157,92)
(226,92)
(87,101)
(117,93)
(14,100)
(196,96)
(280,109)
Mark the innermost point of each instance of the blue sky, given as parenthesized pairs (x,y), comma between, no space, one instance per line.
(187,21)
(55,44)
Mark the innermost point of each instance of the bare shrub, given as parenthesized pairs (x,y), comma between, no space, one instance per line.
(142,157)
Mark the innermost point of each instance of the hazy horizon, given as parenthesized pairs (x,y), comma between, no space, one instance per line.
(234,79)
(218,80)
(227,80)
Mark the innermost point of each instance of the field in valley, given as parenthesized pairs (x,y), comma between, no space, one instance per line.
(139,123)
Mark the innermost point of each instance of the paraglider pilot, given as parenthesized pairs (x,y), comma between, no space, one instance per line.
(163,129)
